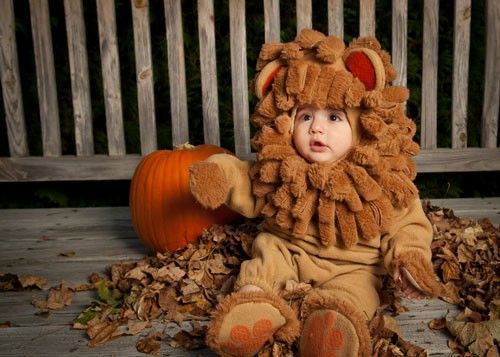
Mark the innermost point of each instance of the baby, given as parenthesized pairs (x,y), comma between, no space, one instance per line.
(333,181)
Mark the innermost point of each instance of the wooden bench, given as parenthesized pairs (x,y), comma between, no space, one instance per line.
(31,239)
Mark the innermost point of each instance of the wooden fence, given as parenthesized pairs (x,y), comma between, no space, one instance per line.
(118,164)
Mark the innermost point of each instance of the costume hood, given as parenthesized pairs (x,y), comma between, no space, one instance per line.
(356,196)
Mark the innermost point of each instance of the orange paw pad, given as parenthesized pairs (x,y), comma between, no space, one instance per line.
(245,342)
(323,339)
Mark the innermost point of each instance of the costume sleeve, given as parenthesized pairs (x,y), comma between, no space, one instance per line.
(407,244)
(410,231)
(224,178)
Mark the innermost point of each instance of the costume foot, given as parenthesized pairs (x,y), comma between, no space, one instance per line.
(333,328)
(327,333)
(244,322)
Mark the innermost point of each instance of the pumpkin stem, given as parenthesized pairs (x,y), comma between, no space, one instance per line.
(185,146)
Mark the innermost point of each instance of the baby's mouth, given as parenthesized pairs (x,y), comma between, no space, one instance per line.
(318,146)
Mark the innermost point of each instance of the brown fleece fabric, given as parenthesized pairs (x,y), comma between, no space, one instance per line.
(319,299)
(379,169)
(422,272)
(287,332)
(208,184)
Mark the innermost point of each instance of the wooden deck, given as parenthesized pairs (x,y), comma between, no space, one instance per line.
(31,243)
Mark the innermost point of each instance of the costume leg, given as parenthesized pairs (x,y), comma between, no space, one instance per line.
(244,321)
(336,316)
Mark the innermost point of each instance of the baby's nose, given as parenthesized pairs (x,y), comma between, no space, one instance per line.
(316,126)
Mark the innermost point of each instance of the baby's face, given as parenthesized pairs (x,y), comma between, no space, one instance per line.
(322,135)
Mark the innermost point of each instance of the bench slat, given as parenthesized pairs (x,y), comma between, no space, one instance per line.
(208,66)
(176,72)
(460,73)
(336,18)
(304,14)
(103,167)
(46,78)
(399,39)
(11,83)
(428,132)
(80,88)
(272,20)
(144,75)
(239,78)
(367,18)
(489,120)
(110,63)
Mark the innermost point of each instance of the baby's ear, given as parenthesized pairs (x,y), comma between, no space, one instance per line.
(265,78)
(366,65)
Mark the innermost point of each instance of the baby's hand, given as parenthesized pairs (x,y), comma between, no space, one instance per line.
(408,285)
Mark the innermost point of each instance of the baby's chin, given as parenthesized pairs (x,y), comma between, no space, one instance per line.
(321,158)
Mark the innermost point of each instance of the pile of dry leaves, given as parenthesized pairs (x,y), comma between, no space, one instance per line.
(169,297)
(465,256)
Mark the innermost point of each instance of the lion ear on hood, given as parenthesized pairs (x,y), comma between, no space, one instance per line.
(265,78)
(366,65)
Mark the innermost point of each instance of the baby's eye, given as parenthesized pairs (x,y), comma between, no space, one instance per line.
(306,117)
(335,117)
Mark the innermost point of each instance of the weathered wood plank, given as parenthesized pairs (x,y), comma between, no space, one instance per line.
(208,67)
(46,77)
(68,168)
(304,14)
(272,21)
(176,72)
(336,18)
(367,18)
(11,83)
(62,341)
(489,120)
(102,167)
(110,64)
(399,39)
(239,78)
(428,132)
(449,160)
(79,70)
(144,75)
(461,47)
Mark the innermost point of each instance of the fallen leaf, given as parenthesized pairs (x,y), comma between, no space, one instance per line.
(150,344)
(58,298)
(477,337)
(102,332)
(29,281)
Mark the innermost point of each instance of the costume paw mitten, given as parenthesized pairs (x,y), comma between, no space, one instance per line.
(244,322)
(420,273)
(208,184)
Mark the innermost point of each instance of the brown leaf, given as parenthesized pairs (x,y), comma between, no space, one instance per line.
(28,281)
(478,337)
(134,327)
(216,265)
(150,344)
(437,324)
(102,332)
(58,298)
(170,273)
(5,324)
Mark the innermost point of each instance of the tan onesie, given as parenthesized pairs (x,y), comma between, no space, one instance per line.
(350,274)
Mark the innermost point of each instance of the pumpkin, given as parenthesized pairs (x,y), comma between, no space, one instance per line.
(164,213)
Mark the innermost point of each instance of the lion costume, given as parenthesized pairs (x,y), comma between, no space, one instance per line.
(337,226)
